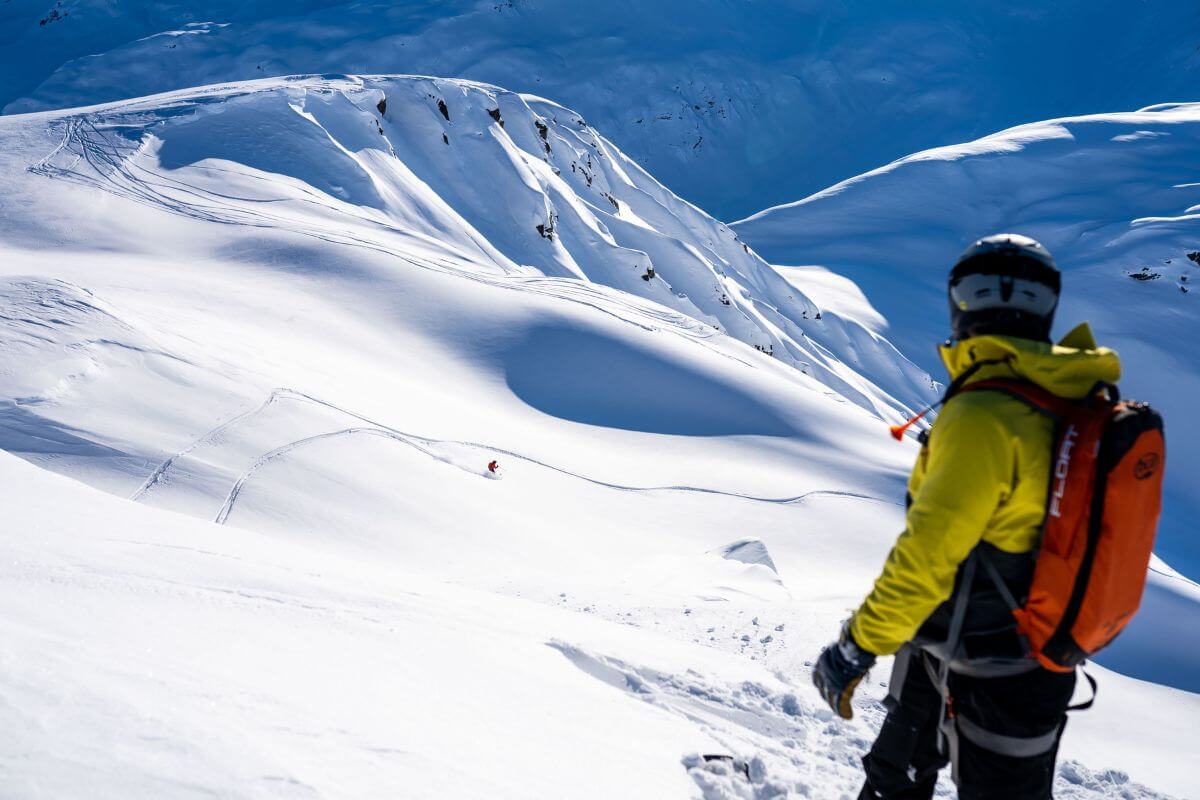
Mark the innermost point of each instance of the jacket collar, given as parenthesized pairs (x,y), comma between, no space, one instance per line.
(1071,368)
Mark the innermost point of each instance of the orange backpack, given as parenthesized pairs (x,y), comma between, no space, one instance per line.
(1101,515)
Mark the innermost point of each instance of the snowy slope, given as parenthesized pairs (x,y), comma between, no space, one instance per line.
(1114,197)
(306,325)
(147,654)
(735,105)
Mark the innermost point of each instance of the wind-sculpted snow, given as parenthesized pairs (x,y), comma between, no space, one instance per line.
(503,189)
(735,106)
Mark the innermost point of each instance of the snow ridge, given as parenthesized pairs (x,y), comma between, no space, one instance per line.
(575,207)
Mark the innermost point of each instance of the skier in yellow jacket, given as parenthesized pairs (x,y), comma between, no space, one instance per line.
(980,482)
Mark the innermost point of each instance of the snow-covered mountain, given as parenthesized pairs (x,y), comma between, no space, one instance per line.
(506,189)
(735,105)
(1114,197)
(305,314)
(472,206)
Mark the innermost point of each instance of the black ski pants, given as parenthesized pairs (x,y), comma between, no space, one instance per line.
(903,763)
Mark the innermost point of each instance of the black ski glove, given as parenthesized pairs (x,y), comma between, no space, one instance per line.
(839,668)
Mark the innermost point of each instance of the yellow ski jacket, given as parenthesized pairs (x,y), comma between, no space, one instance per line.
(982,475)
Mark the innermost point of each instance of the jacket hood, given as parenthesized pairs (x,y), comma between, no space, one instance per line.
(1069,369)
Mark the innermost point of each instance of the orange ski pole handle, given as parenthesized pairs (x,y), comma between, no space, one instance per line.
(955,386)
(898,430)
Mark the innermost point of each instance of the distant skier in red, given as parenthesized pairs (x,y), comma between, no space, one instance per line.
(493,465)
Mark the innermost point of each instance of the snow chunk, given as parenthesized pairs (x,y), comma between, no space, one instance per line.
(747,551)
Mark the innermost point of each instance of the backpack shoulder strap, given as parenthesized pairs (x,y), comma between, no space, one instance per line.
(1029,393)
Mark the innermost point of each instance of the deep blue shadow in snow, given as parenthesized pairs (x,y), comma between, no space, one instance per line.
(1158,646)
(26,433)
(590,378)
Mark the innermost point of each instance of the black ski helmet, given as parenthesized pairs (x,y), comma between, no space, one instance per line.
(1004,284)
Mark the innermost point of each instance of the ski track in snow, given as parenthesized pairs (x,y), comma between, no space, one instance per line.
(161,470)
(422,444)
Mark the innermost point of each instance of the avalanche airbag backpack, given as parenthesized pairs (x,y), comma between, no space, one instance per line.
(1102,512)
